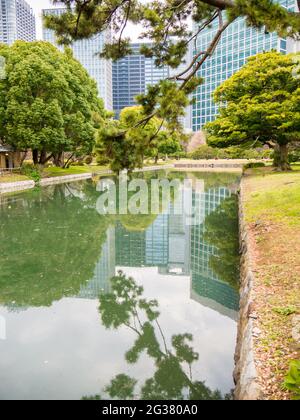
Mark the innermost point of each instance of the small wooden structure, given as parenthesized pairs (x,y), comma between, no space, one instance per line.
(9,158)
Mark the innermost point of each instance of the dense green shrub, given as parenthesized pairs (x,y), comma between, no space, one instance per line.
(240,153)
(294,156)
(251,165)
(204,152)
(88,160)
(102,159)
(76,163)
(32,171)
(178,155)
(208,152)
(292,379)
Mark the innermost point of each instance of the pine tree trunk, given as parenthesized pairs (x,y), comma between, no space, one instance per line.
(281,161)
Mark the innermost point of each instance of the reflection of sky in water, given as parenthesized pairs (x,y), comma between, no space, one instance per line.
(63,351)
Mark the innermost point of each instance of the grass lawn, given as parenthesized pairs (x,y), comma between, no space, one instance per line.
(73,170)
(13,178)
(272,211)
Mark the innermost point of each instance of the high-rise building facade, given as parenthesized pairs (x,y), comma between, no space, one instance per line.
(238,43)
(131,76)
(17,22)
(186,121)
(87,52)
(128,79)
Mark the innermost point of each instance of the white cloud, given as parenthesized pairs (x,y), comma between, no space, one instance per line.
(37,5)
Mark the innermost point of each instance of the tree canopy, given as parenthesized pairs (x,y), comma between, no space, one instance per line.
(166,24)
(48,102)
(260,105)
(131,139)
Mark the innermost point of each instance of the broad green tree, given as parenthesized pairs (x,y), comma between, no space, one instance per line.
(48,102)
(166,25)
(128,141)
(260,105)
(167,143)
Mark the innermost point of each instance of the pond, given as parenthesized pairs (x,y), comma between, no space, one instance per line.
(117,305)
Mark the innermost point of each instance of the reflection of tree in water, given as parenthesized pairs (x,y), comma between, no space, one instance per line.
(51,239)
(141,222)
(50,243)
(172,380)
(217,179)
(221,231)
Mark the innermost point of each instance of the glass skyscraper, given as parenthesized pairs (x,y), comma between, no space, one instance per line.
(87,52)
(238,43)
(131,76)
(17,22)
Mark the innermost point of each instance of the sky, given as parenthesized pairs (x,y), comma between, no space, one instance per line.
(38,5)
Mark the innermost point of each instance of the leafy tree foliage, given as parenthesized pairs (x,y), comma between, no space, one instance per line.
(165,23)
(259,105)
(128,141)
(167,143)
(48,103)
(292,379)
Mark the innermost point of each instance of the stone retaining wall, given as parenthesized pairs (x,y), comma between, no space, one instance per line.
(208,165)
(63,179)
(6,187)
(245,374)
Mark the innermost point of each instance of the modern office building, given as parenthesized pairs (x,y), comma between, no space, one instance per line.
(237,44)
(131,76)
(186,121)
(17,21)
(128,79)
(87,52)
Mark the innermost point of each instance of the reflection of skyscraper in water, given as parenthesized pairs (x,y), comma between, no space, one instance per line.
(178,258)
(130,247)
(148,247)
(207,288)
(156,245)
(206,203)
(104,270)
(172,245)
(164,244)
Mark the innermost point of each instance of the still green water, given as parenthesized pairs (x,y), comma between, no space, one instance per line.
(120,306)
